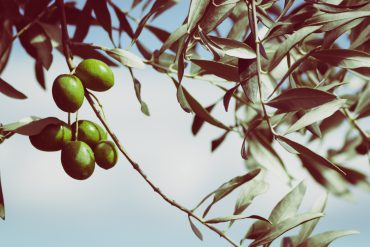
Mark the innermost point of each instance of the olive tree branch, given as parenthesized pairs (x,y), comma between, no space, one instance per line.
(258,58)
(134,165)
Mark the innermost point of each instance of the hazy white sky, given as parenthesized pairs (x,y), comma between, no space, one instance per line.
(45,207)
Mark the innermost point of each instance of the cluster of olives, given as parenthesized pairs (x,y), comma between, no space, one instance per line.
(84,142)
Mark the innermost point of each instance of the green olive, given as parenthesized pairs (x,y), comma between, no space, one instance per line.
(89,132)
(68,93)
(95,75)
(78,160)
(52,138)
(106,154)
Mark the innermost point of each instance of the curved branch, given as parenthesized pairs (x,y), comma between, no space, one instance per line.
(134,165)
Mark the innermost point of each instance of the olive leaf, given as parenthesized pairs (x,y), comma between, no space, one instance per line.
(234,48)
(223,70)
(30,126)
(285,209)
(10,91)
(303,151)
(235,217)
(196,11)
(324,239)
(40,75)
(316,114)
(137,85)
(227,188)
(126,58)
(348,59)
(289,43)
(280,228)
(188,101)
(195,229)
(297,99)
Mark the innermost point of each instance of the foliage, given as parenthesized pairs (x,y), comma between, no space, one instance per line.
(280,64)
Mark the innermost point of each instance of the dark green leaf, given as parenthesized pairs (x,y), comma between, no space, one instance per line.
(40,76)
(123,22)
(198,109)
(102,15)
(348,59)
(234,48)
(297,99)
(83,25)
(217,142)
(30,126)
(198,121)
(223,70)
(306,152)
(10,91)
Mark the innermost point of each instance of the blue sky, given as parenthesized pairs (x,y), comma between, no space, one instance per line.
(45,207)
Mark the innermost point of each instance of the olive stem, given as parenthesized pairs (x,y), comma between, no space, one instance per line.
(69,119)
(258,58)
(65,38)
(134,165)
(76,130)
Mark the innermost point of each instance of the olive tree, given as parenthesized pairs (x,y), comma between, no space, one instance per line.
(281,64)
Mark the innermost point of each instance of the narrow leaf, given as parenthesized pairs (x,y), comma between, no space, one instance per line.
(198,108)
(102,15)
(306,152)
(10,91)
(297,99)
(229,186)
(126,58)
(234,48)
(288,44)
(196,11)
(174,37)
(40,76)
(30,125)
(347,59)
(195,230)
(235,217)
(223,70)
(277,230)
(198,121)
(316,114)
(324,239)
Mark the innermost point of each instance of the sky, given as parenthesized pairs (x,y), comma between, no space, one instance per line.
(45,207)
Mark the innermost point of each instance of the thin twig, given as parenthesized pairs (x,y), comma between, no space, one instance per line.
(65,39)
(355,124)
(258,58)
(134,165)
